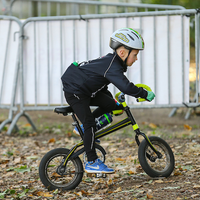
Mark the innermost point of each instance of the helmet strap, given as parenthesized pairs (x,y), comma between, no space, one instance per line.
(127,56)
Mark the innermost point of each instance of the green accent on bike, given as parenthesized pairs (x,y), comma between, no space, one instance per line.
(124,104)
(107,118)
(113,128)
(151,144)
(117,112)
(135,127)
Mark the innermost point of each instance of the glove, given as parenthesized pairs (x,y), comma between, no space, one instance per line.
(150,96)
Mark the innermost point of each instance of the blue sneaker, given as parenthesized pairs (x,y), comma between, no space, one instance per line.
(77,133)
(98,167)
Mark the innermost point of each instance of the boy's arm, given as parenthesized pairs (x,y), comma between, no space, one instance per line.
(117,78)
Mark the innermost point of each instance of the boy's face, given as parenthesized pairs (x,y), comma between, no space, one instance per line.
(123,53)
(132,57)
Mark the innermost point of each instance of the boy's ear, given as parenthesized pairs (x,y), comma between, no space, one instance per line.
(122,53)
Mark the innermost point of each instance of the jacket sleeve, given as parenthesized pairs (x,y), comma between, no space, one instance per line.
(116,76)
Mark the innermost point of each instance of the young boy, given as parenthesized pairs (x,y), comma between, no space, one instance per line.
(85,85)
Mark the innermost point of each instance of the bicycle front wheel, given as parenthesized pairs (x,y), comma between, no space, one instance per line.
(54,176)
(151,164)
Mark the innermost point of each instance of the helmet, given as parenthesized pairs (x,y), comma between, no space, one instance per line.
(128,38)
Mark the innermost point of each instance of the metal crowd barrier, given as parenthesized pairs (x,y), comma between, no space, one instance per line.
(9,65)
(33,67)
(37,8)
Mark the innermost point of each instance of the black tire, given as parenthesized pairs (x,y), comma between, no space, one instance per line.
(161,167)
(49,166)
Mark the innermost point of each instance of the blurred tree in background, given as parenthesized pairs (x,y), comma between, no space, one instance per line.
(188,4)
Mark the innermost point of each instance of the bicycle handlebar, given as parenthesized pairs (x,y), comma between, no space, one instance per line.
(121,98)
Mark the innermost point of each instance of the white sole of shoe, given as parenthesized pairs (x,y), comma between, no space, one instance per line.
(98,172)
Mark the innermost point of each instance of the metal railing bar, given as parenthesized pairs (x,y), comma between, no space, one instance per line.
(183,63)
(168,59)
(155,61)
(48,65)
(115,15)
(61,58)
(35,65)
(5,61)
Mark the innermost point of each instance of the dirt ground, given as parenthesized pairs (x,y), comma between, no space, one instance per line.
(21,154)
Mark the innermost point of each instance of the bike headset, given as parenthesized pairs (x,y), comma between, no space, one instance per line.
(128,38)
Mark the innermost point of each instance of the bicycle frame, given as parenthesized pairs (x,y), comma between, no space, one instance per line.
(117,126)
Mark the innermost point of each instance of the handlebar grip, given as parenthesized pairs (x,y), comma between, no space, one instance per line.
(146,88)
(141,100)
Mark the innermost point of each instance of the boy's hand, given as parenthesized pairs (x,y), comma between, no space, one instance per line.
(150,96)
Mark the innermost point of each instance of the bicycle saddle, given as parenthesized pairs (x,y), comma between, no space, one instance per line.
(65,110)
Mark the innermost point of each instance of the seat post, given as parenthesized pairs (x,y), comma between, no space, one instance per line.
(77,125)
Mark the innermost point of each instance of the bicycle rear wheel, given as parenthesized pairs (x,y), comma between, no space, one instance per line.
(53,176)
(151,164)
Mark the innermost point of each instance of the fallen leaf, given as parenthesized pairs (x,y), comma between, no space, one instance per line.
(120,159)
(9,174)
(149,196)
(44,194)
(78,193)
(4,161)
(196,186)
(152,125)
(109,182)
(17,160)
(159,181)
(22,169)
(171,188)
(187,127)
(139,186)
(83,192)
(195,195)
(52,140)
(27,125)
(69,134)
(177,173)
(119,189)
(131,172)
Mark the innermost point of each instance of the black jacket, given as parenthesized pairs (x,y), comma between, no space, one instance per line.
(95,75)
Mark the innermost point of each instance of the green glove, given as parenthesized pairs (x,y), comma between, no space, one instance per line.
(150,96)
(75,63)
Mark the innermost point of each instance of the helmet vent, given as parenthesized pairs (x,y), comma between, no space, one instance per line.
(135,34)
(130,37)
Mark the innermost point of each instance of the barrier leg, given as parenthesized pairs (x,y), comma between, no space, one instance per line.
(16,118)
(173,112)
(7,121)
(30,121)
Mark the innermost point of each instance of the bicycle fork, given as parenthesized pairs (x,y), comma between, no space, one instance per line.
(149,143)
(138,132)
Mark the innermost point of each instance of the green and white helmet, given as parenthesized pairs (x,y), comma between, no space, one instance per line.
(128,38)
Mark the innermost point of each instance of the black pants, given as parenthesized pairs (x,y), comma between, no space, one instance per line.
(81,105)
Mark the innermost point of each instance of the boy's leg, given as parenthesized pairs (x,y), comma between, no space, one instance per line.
(81,106)
(105,102)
